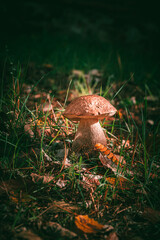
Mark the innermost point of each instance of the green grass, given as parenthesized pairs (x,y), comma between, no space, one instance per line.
(124,75)
(116,62)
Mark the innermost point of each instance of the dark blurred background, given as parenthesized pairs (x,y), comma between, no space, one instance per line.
(116,17)
(85,34)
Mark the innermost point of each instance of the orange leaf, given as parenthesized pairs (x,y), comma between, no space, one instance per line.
(105,151)
(122,182)
(120,114)
(17,197)
(111,180)
(87,225)
(98,146)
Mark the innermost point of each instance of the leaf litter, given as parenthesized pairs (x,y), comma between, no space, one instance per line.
(105,186)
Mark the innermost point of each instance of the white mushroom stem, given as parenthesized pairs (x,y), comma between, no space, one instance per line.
(89,133)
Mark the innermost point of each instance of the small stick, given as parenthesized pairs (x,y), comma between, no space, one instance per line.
(65,156)
(95,207)
(55,205)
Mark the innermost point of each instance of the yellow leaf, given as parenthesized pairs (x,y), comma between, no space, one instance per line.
(87,225)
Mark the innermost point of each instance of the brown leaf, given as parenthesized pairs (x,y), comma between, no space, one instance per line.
(106,162)
(62,206)
(28,235)
(61,183)
(87,225)
(45,178)
(112,236)
(16,190)
(92,180)
(28,130)
(46,107)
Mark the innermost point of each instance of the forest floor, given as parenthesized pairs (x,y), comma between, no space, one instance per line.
(46,191)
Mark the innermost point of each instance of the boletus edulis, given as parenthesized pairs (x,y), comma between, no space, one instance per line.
(89,109)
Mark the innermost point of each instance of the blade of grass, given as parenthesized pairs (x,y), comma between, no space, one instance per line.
(67,93)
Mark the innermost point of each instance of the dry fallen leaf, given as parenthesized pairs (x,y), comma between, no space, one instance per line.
(62,233)
(121,182)
(91,180)
(46,107)
(61,183)
(28,235)
(109,156)
(106,162)
(112,236)
(45,178)
(120,114)
(87,225)
(28,130)
(62,206)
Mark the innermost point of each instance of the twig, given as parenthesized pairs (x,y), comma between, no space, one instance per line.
(65,156)
(95,207)
(124,210)
(55,205)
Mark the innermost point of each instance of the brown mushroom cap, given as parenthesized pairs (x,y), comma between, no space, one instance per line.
(89,106)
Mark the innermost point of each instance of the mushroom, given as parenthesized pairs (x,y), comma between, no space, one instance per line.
(89,109)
